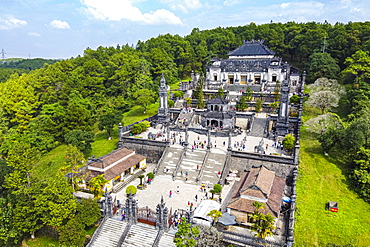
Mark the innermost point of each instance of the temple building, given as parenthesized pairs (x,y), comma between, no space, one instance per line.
(259,184)
(252,64)
(116,166)
(218,114)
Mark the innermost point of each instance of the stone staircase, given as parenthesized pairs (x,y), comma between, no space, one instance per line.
(258,127)
(140,235)
(214,163)
(189,164)
(166,240)
(170,160)
(110,233)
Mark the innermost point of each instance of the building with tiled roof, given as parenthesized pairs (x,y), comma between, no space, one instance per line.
(116,166)
(259,184)
(250,64)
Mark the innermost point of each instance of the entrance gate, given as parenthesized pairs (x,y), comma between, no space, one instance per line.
(146,215)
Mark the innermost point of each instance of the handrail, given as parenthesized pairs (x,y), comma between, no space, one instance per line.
(96,233)
(158,165)
(200,174)
(178,165)
(157,238)
(124,234)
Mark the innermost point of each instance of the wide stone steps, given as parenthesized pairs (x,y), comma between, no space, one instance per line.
(258,127)
(170,161)
(189,164)
(214,164)
(166,240)
(110,233)
(140,235)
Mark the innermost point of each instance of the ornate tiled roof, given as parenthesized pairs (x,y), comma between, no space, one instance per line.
(260,183)
(218,101)
(218,115)
(112,157)
(251,48)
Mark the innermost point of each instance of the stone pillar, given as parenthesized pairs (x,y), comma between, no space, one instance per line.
(163,113)
(107,204)
(162,216)
(120,133)
(209,138)
(131,209)
(229,147)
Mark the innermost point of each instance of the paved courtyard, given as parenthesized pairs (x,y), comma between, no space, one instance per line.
(161,186)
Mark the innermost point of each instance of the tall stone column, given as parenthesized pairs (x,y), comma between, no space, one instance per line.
(163,113)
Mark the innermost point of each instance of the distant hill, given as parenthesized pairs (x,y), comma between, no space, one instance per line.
(27,64)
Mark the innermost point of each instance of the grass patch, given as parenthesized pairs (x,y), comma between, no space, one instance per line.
(137,113)
(51,162)
(322,180)
(42,241)
(102,146)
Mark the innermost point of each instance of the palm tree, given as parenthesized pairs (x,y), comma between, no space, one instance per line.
(141,179)
(215,214)
(263,224)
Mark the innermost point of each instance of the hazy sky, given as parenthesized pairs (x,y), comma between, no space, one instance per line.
(65,28)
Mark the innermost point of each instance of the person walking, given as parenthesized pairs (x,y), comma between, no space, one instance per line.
(196,198)
(170,193)
(178,189)
(220,199)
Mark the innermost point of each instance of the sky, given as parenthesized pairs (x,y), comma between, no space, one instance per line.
(65,28)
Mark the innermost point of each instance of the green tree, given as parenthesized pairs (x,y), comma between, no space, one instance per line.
(263,224)
(72,233)
(131,189)
(178,94)
(215,214)
(242,105)
(322,65)
(88,212)
(289,141)
(73,161)
(144,97)
(248,94)
(141,179)
(24,190)
(188,101)
(108,120)
(295,99)
(80,139)
(358,65)
(258,105)
(201,103)
(150,175)
(274,106)
(96,185)
(56,201)
(186,234)
(221,93)
(217,188)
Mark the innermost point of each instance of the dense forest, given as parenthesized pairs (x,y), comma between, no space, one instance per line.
(62,101)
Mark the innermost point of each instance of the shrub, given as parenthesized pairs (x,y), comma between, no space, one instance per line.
(150,175)
(295,99)
(217,188)
(289,141)
(131,189)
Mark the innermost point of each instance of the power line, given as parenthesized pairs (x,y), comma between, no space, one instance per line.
(3,55)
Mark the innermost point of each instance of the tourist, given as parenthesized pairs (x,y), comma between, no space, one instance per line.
(170,193)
